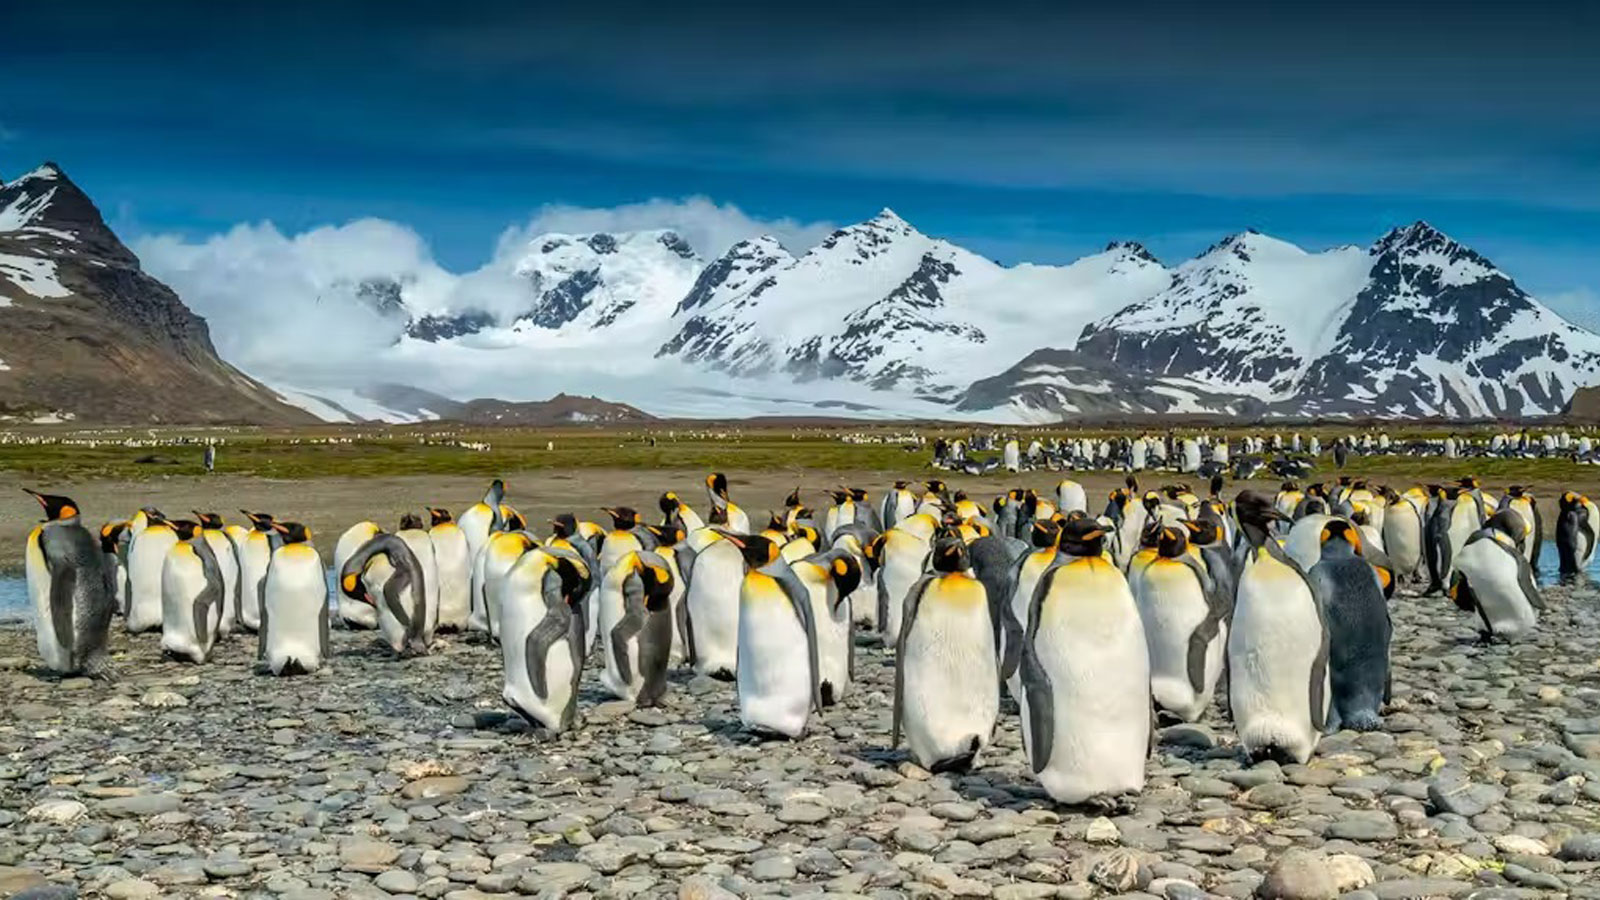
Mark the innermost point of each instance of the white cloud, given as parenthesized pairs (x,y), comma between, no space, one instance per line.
(709,227)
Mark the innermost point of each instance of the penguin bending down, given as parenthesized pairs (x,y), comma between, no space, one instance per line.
(902,554)
(1577,524)
(713,565)
(678,513)
(1277,646)
(71,584)
(386,574)
(567,535)
(211,529)
(483,518)
(777,653)
(294,607)
(253,549)
(1185,622)
(147,557)
(947,679)
(1085,704)
(192,596)
(722,509)
(541,636)
(452,558)
(830,579)
(354,612)
(421,544)
(1357,613)
(1494,580)
(636,625)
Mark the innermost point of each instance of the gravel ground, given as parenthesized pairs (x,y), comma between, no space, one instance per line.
(382,778)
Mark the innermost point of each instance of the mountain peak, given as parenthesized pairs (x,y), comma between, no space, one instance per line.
(49,171)
(1418,235)
(1133,249)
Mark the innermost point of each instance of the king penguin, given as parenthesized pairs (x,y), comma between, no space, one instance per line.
(354,612)
(947,679)
(1494,580)
(902,554)
(1185,625)
(114,540)
(1402,534)
(1521,501)
(541,638)
(1575,533)
(714,568)
(147,556)
(1085,704)
(722,508)
(253,549)
(72,586)
(898,502)
(192,596)
(830,579)
(386,574)
(212,530)
(1277,646)
(1357,614)
(636,627)
(1028,569)
(421,544)
(778,677)
(294,606)
(496,559)
(452,558)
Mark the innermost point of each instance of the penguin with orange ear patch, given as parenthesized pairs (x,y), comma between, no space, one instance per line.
(1351,593)
(70,583)
(1185,625)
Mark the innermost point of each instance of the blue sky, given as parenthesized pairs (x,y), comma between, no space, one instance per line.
(1033,132)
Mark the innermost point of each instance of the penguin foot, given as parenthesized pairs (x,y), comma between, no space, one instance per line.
(99,668)
(1111,805)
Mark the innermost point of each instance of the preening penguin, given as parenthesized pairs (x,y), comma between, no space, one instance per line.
(1085,701)
(147,556)
(541,638)
(566,535)
(1351,591)
(1277,646)
(856,540)
(386,574)
(71,582)
(452,557)
(1185,620)
(722,509)
(1575,533)
(667,538)
(636,627)
(778,677)
(675,512)
(830,579)
(192,596)
(947,680)
(211,529)
(294,606)
(1493,579)
(421,544)
(353,611)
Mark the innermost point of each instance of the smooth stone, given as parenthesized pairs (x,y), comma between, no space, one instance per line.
(397,881)
(1419,888)
(1299,875)
(139,805)
(434,786)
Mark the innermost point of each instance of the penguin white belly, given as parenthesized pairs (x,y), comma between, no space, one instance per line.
(1070,497)
(714,611)
(1372,536)
(188,629)
(951,695)
(1593,513)
(774,664)
(1171,606)
(454,564)
(611,603)
(796,550)
(146,560)
(1464,524)
(222,549)
(254,553)
(738,520)
(1493,575)
(1525,509)
(57,654)
(1402,538)
(835,630)
(1091,647)
(478,617)
(422,548)
(354,613)
(1304,544)
(496,563)
(904,556)
(1128,532)
(864,600)
(296,600)
(1275,640)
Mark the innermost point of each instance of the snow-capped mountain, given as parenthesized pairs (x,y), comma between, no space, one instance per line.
(1414,326)
(883,304)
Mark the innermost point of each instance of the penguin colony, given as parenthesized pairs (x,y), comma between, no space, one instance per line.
(1099,626)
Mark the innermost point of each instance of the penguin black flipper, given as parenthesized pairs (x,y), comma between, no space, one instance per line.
(63,585)
(263,629)
(628,627)
(1320,588)
(913,603)
(1204,633)
(994,562)
(1530,591)
(1538,532)
(1036,683)
(684,555)
(800,600)
(655,640)
(555,625)
(212,595)
(323,638)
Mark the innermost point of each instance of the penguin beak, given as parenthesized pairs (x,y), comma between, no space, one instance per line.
(37,496)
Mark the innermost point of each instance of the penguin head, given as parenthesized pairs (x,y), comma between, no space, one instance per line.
(110,534)
(438,517)
(657,582)
(950,554)
(717,516)
(623,518)
(1339,536)
(1256,512)
(207,520)
(1508,522)
(776,522)
(1359,515)
(1151,501)
(514,521)
(1204,532)
(496,494)
(859,495)
(900,485)
(935,486)
(839,495)
(1172,491)
(846,572)
(717,484)
(1469,482)
(261,521)
(56,508)
(293,532)
(1518,491)
(1345,480)
(1172,542)
(1083,537)
(793,500)
(1289,487)
(1216,485)
(150,512)
(564,525)
(186,529)
(668,504)
(757,551)
(1314,506)
(873,551)
(412,522)
(666,535)
(1044,534)
(808,533)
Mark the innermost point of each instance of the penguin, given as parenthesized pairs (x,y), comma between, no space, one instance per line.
(1467,513)
(294,606)
(421,544)
(192,596)
(252,548)
(1521,501)
(1575,533)
(114,542)
(1085,704)
(1128,514)
(842,512)
(1402,534)
(385,573)
(1028,569)
(1278,686)
(211,529)
(902,554)
(722,508)
(1357,613)
(713,566)
(636,625)
(354,612)
(898,503)
(496,559)
(1288,500)
(1070,496)
(1435,537)
(777,667)
(666,539)
(947,678)
(541,637)
(1494,580)
(676,512)
(856,540)
(797,545)
(452,560)
(866,514)
(567,535)
(73,588)
(1185,626)
(483,518)
(830,579)
(147,556)
(1304,542)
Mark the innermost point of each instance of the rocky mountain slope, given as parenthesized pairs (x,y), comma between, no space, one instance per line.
(85,334)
